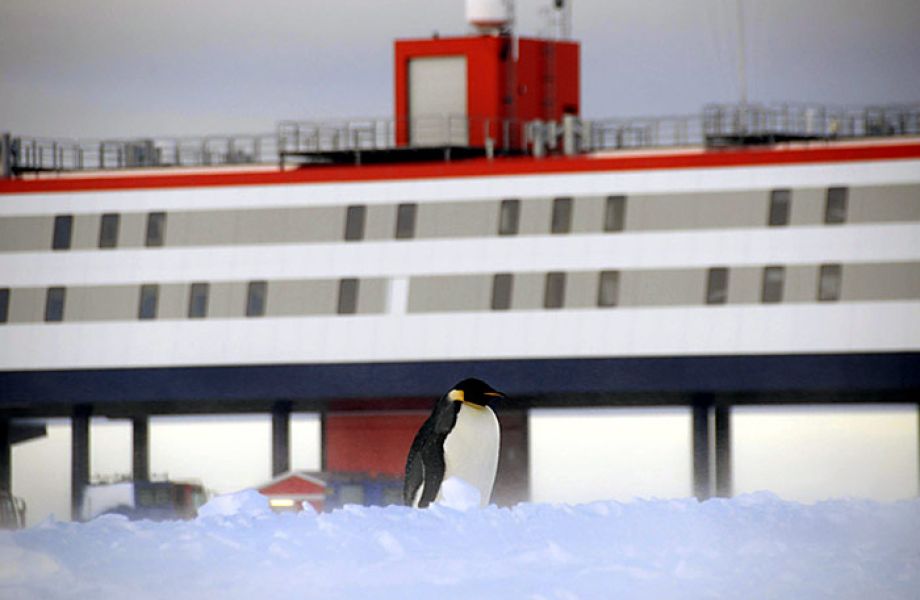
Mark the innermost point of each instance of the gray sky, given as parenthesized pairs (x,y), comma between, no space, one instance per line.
(94,68)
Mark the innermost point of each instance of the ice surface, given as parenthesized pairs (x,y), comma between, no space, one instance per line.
(247,502)
(752,547)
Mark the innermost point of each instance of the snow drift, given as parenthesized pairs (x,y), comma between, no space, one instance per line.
(754,546)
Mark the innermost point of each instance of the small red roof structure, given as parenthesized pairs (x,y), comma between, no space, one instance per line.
(288,491)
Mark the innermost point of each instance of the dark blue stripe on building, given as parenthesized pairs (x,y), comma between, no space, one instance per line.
(549,381)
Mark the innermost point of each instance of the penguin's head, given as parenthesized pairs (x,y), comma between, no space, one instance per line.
(474,392)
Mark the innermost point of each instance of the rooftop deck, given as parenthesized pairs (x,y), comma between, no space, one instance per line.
(373,141)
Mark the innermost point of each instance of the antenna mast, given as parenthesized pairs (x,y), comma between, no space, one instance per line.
(742,77)
(564,12)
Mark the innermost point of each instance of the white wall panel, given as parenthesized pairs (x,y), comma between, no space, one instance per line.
(723,330)
(468,188)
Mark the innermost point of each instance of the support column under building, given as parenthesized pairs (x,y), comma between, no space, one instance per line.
(79,457)
(512,482)
(702,481)
(6,472)
(140,427)
(723,450)
(281,438)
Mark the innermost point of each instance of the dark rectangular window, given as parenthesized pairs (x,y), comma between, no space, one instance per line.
(108,230)
(509,217)
(717,286)
(829,280)
(615,213)
(502,284)
(772,288)
(63,232)
(779,208)
(198,301)
(562,215)
(255,298)
(156,229)
(608,288)
(354,223)
(835,208)
(405,221)
(4,305)
(54,304)
(147,305)
(348,296)
(554,290)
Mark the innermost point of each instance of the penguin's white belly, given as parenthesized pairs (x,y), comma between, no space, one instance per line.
(471,450)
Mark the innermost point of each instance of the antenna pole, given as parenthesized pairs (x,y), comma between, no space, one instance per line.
(742,78)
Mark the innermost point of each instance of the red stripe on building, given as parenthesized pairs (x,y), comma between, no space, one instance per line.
(472,168)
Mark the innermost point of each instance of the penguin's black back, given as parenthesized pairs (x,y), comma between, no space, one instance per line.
(425,463)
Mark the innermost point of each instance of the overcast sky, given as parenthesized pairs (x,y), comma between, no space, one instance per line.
(94,68)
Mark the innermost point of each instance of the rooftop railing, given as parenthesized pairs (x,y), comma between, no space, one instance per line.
(327,141)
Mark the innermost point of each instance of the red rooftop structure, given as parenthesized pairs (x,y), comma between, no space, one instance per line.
(458,91)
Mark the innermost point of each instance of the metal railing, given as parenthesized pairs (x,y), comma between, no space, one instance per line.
(805,121)
(508,135)
(46,154)
(644,132)
(718,125)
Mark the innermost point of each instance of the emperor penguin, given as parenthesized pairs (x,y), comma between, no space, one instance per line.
(459,439)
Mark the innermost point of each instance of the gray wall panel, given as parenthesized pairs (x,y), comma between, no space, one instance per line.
(807,206)
(801,284)
(450,293)
(85,232)
(882,204)
(372,296)
(173,301)
(379,223)
(697,211)
(302,297)
(23,234)
(227,299)
(457,219)
(744,285)
(884,281)
(132,230)
(527,290)
(101,303)
(589,214)
(581,289)
(27,305)
(536,215)
(666,287)
(201,228)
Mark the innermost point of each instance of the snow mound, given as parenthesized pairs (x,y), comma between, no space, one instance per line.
(247,502)
(456,493)
(751,547)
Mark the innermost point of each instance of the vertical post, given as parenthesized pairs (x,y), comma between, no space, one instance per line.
(79,457)
(702,485)
(569,133)
(6,156)
(512,481)
(742,77)
(141,443)
(281,437)
(6,473)
(323,458)
(723,450)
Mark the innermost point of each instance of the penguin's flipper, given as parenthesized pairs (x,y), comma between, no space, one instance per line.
(433,456)
(415,473)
